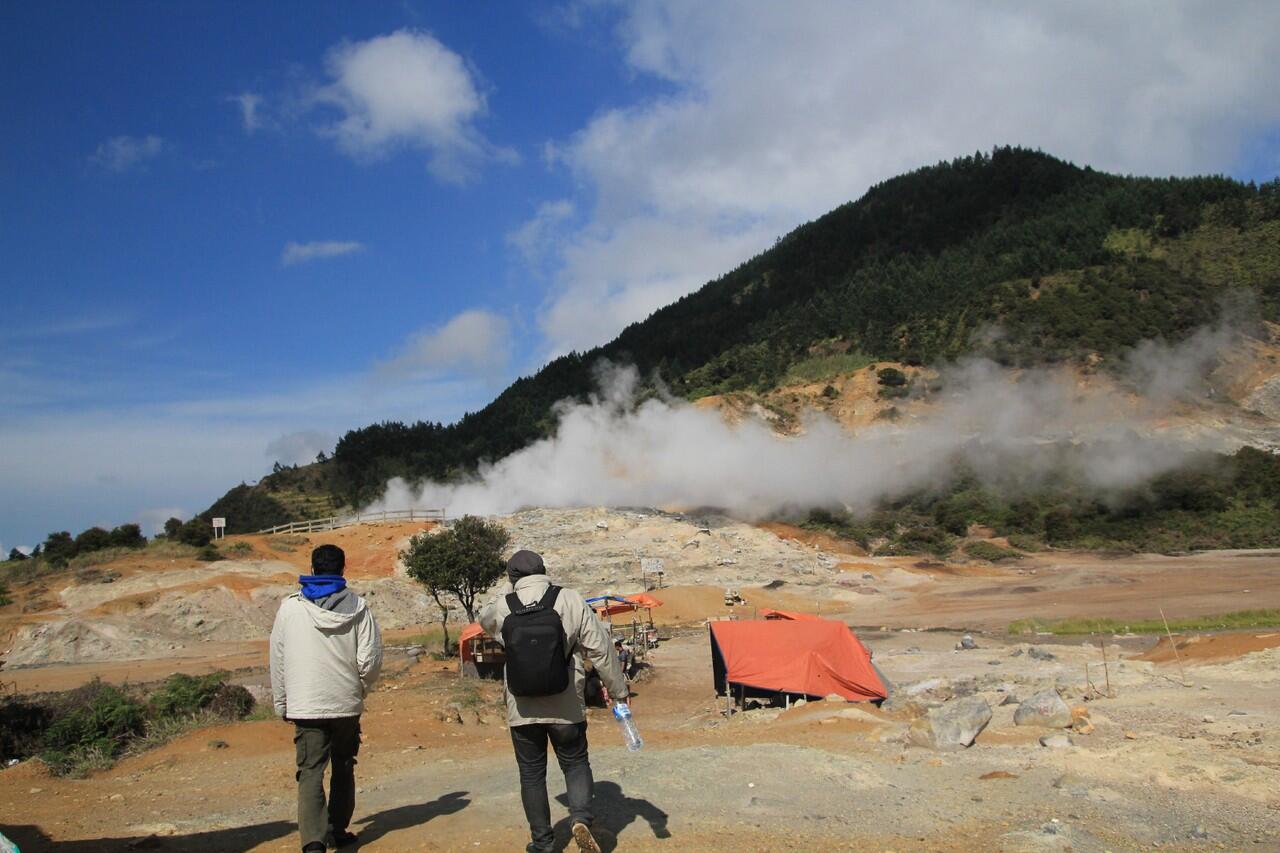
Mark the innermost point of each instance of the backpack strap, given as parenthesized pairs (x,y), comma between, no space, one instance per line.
(549,597)
(514,604)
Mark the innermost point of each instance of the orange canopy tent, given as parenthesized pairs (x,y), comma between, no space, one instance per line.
(611,605)
(469,633)
(810,657)
(791,616)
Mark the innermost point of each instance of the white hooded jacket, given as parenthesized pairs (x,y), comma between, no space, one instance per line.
(324,659)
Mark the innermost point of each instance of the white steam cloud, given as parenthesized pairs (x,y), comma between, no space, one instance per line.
(1012,429)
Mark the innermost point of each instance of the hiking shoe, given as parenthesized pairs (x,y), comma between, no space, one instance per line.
(340,838)
(585,840)
(314,847)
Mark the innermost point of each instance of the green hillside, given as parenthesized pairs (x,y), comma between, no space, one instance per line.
(1066,261)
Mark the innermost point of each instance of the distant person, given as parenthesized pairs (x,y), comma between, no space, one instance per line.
(624,658)
(326,652)
(546,631)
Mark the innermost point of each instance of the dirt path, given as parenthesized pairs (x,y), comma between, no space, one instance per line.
(761,781)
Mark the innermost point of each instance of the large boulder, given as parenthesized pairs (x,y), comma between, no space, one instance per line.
(1045,709)
(953,725)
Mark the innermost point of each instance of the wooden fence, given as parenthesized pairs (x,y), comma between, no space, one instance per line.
(335,521)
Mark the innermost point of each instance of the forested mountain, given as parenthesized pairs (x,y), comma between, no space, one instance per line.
(1067,262)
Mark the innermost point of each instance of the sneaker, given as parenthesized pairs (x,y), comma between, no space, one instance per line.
(585,840)
(314,847)
(340,838)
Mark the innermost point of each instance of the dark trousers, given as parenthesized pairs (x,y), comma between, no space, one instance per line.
(317,744)
(570,744)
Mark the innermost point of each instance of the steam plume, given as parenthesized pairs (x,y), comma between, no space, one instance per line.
(1005,426)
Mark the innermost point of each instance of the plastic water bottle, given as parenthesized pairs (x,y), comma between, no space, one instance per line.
(622,713)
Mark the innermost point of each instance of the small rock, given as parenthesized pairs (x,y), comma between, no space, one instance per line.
(415,651)
(833,697)
(1016,653)
(993,663)
(1130,736)
(1010,699)
(1055,741)
(1237,713)
(117,796)
(1037,654)
(1208,718)
(218,744)
(35,790)
(966,642)
(1046,708)
(1200,832)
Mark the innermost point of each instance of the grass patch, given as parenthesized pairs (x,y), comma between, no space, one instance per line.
(89,728)
(286,544)
(4,595)
(160,731)
(991,552)
(822,367)
(1226,621)
(238,549)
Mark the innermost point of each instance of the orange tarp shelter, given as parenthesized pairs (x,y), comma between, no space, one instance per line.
(469,633)
(792,616)
(810,657)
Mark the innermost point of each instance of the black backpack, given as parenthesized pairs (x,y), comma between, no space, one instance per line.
(536,647)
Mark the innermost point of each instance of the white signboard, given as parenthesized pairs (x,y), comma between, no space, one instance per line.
(219,528)
(651,565)
(219,522)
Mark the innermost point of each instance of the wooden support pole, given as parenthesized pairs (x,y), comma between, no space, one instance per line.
(1174,646)
(1102,644)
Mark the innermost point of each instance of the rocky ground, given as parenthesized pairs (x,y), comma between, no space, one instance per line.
(1154,761)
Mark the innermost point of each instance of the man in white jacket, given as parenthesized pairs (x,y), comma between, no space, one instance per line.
(326,652)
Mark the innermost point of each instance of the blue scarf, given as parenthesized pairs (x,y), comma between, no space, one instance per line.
(318,586)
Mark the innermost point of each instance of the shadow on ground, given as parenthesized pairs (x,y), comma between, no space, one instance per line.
(32,839)
(614,812)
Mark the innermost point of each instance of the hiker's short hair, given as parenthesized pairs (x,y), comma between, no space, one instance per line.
(328,560)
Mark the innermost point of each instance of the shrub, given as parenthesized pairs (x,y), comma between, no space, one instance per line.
(239,549)
(197,532)
(1025,542)
(830,392)
(92,724)
(128,536)
(183,694)
(93,539)
(990,552)
(891,377)
(21,725)
(208,554)
(4,595)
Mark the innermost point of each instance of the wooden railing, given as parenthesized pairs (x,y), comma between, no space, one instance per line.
(335,521)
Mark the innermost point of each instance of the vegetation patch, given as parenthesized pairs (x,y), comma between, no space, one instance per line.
(823,367)
(991,552)
(1226,621)
(89,728)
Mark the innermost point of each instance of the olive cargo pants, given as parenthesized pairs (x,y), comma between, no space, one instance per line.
(317,743)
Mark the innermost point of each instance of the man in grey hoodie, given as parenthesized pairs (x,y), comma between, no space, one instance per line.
(326,652)
(561,718)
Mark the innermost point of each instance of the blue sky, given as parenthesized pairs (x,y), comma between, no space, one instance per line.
(233,231)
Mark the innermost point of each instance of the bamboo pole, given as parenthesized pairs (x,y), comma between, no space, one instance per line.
(1102,644)
(1174,646)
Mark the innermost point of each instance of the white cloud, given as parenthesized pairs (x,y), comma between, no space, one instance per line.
(121,153)
(249,104)
(300,253)
(476,343)
(777,113)
(301,447)
(536,236)
(408,89)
